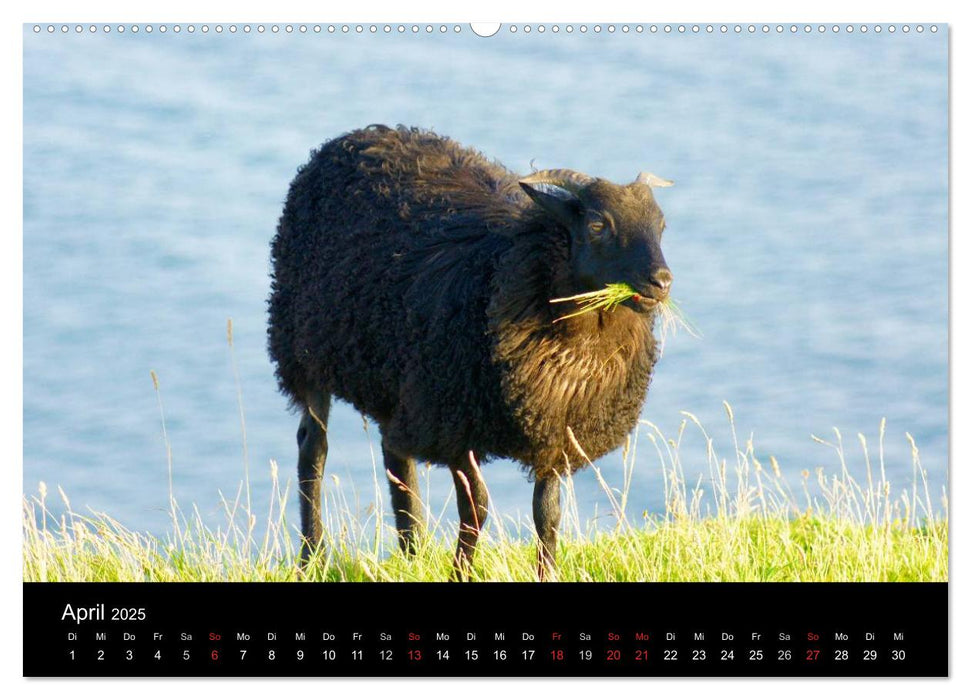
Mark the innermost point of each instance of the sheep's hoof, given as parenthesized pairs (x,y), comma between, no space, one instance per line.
(461,567)
(545,565)
(311,556)
(409,542)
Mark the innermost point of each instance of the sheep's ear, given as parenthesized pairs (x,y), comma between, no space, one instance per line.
(563,205)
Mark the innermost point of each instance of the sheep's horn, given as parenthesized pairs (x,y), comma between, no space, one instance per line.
(569,180)
(652,180)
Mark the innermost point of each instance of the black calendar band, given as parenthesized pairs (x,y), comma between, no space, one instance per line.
(431,629)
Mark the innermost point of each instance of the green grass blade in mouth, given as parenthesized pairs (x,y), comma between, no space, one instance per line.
(606,299)
(612,295)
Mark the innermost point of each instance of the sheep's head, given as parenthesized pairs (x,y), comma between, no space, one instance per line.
(615,230)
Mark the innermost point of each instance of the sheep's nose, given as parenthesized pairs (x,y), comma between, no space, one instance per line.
(662,278)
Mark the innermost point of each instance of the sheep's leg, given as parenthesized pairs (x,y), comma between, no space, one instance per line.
(312,444)
(546,517)
(473,502)
(403,480)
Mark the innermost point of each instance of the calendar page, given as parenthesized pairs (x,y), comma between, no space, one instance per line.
(545,349)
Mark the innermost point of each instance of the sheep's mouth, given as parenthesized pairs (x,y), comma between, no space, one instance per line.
(606,300)
(645,301)
(623,294)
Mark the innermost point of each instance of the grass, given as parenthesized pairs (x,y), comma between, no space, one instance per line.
(741,522)
(606,299)
(612,295)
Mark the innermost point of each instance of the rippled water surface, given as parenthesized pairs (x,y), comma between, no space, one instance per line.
(807,233)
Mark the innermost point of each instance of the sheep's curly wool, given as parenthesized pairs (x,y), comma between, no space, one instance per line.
(412,278)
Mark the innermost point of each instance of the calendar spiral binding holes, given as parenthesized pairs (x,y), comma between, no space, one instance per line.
(517,29)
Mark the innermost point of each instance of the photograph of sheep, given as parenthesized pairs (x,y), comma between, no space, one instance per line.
(308,303)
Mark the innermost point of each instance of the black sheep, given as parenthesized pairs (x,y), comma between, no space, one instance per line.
(412,277)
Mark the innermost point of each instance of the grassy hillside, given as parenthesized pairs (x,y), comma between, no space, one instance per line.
(748,525)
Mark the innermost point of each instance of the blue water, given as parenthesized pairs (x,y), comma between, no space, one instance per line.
(807,233)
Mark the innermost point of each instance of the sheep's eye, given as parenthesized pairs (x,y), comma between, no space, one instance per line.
(596,227)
